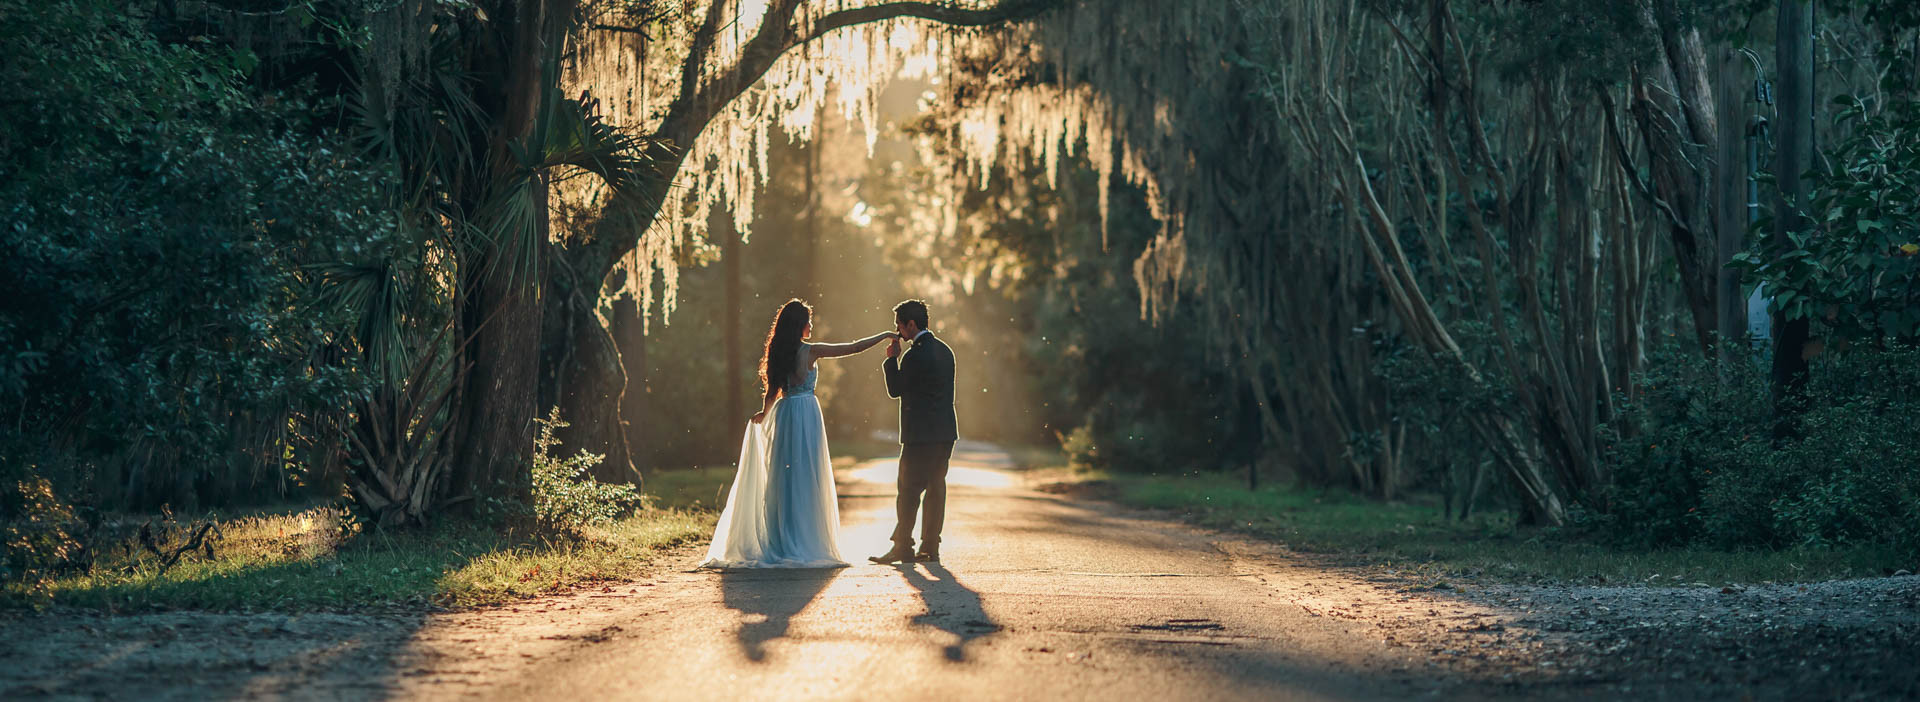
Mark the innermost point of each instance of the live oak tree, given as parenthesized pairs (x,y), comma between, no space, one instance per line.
(710,66)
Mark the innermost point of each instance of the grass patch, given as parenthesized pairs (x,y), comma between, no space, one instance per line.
(690,488)
(1412,536)
(307,560)
(531,569)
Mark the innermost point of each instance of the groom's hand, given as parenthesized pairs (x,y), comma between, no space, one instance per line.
(893,348)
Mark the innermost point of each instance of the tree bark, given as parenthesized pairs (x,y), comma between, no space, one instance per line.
(810,227)
(1679,128)
(502,319)
(1729,201)
(730,322)
(501,314)
(629,334)
(1793,155)
(591,393)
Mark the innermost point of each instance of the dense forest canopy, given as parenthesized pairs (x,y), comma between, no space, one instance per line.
(357,246)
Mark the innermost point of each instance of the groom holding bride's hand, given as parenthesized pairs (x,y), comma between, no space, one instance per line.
(921,377)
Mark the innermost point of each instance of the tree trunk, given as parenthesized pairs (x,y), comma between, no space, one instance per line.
(1729,201)
(592,387)
(1793,154)
(722,223)
(501,313)
(502,317)
(810,229)
(1679,128)
(629,334)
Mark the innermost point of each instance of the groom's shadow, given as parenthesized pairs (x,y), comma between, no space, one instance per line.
(775,596)
(951,607)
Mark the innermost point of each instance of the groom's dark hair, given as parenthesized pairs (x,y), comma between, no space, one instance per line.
(911,311)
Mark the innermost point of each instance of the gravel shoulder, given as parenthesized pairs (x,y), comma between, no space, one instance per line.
(1844,639)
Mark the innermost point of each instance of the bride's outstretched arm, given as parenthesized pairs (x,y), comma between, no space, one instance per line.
(850,348)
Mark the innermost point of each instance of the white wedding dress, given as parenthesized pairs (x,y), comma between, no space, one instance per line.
(783,511)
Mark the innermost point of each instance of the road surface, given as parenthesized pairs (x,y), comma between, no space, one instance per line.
(1037,597)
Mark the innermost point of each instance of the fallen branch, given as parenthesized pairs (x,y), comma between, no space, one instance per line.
(198,541)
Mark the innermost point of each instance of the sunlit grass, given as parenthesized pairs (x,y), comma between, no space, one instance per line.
(305,560)
(609,554)
(1413,537)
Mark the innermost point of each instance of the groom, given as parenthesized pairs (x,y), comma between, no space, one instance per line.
(922,379)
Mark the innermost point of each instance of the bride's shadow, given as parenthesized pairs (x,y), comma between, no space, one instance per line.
(775,596)
(951,607)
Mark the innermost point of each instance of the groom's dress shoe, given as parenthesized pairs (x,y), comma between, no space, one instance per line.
(898,554)
(927,557)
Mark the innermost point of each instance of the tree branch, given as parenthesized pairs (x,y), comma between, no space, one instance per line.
(944,14)
(695,107)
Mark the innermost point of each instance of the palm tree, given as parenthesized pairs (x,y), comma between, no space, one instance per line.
(476,136)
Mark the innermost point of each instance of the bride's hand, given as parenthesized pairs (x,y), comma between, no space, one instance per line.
(757,416)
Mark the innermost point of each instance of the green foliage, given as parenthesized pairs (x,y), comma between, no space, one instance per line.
(565,497)
(1695,462)
(1434,395)
(38,531)
(1080,450)
(1686,424)
(1138,398)
(1591,40)
(1123,392)
(1415,539)
(1858,270)
(157,327)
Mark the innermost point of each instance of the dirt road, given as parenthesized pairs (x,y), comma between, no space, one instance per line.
(1038,597)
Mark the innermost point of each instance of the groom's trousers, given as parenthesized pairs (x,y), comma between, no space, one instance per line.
(923,468)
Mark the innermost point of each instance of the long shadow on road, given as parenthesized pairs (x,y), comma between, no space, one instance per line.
(768,600)
(951,607)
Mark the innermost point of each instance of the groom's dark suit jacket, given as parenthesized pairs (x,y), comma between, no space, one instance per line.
(922,378)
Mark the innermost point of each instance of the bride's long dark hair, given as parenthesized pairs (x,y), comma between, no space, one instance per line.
(783,345)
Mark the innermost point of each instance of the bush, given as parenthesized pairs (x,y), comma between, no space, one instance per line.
(37,529)
(158,327)
(1857,273)
(564,497)
(1695,461)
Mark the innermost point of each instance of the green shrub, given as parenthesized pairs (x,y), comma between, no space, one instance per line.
(158,327)
(1082,453)
(1857,273)
(564,497)
(1695,461)
(37,528)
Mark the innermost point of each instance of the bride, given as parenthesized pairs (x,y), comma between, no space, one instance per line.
(782,511)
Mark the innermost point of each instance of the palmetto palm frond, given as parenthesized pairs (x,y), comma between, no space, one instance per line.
(379,295)
(580,142)
(569,139)
(420,127)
